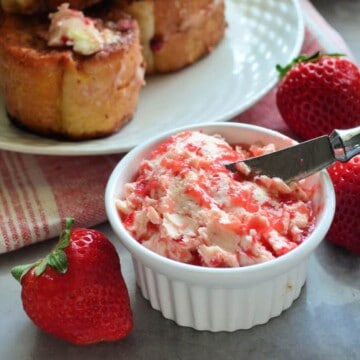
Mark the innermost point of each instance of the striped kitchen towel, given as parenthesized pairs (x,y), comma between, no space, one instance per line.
(38,192)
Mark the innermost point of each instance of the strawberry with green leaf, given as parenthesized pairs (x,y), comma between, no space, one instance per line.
(319,93)
(77,292)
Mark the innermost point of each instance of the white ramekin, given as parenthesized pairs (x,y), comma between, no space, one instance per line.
(225,299)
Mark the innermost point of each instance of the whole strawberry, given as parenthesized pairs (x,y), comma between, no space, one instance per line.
(318,94)
(345,229)
(77,292)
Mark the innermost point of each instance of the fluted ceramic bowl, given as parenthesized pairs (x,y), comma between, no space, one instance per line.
(220,299)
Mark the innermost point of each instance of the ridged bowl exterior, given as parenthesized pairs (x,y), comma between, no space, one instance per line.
(220,308)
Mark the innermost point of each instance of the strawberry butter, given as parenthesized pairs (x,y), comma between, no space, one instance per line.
(71,28)
(185,205)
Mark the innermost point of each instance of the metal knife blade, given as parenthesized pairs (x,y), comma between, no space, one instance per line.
(304,159)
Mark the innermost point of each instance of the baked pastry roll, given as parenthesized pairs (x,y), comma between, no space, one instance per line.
(78,78)
(175,33)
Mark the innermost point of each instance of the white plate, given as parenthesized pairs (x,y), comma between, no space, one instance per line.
(260,34)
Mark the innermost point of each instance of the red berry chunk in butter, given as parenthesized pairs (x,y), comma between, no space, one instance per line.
(185,205)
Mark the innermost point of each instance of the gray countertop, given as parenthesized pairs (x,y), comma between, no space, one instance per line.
(323,323)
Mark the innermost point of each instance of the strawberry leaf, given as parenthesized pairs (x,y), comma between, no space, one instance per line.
(19,271)
(58,260)
(302,59)
(40,268)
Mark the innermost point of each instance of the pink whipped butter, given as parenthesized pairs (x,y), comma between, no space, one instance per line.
(185,205)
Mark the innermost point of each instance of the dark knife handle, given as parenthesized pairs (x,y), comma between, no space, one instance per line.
(346,143)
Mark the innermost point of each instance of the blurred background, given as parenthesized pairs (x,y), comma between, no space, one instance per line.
(344,16)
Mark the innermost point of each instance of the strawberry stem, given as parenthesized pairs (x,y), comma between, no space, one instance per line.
(65,235)
(57,259)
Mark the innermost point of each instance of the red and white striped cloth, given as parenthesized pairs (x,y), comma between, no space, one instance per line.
(38,192)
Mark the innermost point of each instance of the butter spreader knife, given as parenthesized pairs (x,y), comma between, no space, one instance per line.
(306,158)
